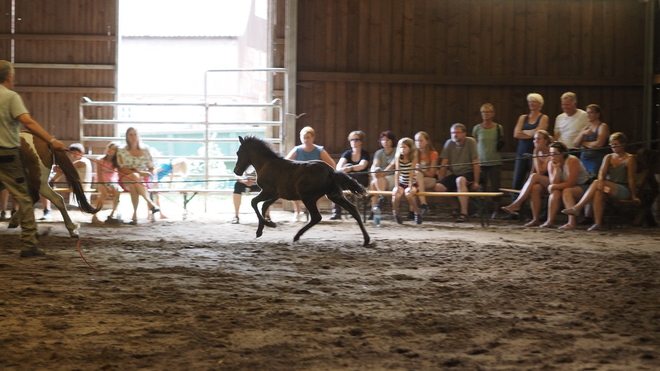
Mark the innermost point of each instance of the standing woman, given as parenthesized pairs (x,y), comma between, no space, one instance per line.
(307,151)
(487,134)
(355,163)
(136,166)
(616,180)
(428,163)
(382,179)
(524,131)
(592,141)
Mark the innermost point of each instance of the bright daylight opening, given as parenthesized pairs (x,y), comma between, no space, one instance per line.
(166,50)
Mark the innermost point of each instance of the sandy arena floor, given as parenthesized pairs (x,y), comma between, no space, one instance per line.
(203,294)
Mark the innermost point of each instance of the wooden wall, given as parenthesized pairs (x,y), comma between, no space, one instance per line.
(63,50)
(411,65)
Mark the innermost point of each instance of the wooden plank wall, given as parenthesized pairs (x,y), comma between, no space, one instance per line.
(411,65)
(56,33)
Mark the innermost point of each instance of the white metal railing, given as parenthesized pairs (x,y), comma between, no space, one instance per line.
(275,120)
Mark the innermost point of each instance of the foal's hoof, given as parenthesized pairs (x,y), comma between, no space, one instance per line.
(74,234)
(270,224)
(366,242)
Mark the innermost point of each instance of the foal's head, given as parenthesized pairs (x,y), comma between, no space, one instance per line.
(252,149)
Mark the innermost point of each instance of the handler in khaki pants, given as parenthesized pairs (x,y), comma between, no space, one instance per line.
(12,171)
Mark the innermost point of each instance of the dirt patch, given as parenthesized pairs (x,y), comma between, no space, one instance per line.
(204,294)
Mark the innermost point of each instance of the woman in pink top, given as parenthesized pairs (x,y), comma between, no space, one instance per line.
(428,163)
(107,177)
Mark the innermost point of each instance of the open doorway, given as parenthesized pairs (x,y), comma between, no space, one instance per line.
(165,53)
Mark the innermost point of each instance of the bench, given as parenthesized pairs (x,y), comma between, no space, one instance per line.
(188,194)
(478,198)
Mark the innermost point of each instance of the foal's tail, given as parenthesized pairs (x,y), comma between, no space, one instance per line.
(73,178)
(347,183)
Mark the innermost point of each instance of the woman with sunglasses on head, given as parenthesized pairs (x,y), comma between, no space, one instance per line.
(568,181)
(537,184)
(616,180)
(382,179)
(355,163)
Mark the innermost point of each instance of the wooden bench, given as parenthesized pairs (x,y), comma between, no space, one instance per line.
(478,198)
(188,194)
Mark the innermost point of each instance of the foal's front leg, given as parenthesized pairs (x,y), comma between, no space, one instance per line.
(255,205)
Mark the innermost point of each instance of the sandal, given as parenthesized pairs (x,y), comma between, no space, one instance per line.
(570,211)
(567,226)
(533,223)
(267,219)
(133,222)
(509,211)
(235,220)
(455,213)
(595,227)
(461,218)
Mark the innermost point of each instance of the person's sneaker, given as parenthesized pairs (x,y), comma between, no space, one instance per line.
(235,220)
(586,221)
(418,218)
(46,215)
(301,216)
(424,208)
(3,215)
(410,216)
(335,216)
(381,200)
(31,253)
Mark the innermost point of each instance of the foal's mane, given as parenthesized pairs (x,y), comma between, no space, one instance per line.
(260,146)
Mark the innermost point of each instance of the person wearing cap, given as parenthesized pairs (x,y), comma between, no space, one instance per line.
(84,167)
(12,170)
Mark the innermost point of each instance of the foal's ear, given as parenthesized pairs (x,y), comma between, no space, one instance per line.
(240,139)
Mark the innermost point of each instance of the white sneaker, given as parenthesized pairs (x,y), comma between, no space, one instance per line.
(301,216)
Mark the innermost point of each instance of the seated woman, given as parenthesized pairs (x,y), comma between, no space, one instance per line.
(428,164)
(307,151)
(355,163)
(538,181)
(382,179)
(136,166)
(107,178)
(568,181)
(616,180)
(406,163)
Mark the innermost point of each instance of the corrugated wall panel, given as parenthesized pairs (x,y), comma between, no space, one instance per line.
(70,46)
(400,64)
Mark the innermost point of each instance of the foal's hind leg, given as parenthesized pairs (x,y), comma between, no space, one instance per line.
(314,217)
(58,201)
(264,208)
(343,202)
